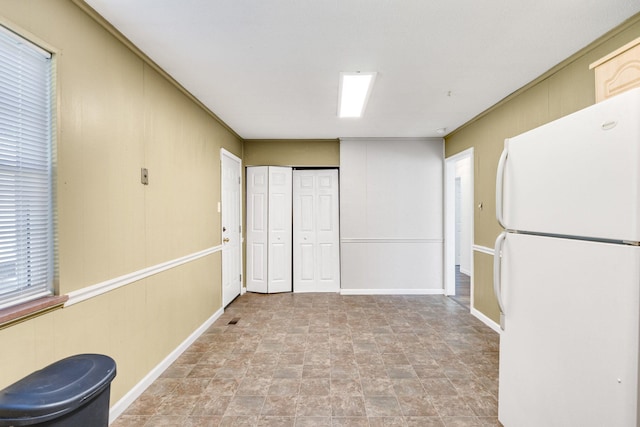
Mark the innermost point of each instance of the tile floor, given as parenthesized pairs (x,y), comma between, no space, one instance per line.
(330,360)
(463,289)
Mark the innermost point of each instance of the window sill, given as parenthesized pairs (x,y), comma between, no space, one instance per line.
(27,310)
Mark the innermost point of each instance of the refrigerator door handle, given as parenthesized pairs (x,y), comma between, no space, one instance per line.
(499,184)
(497,283)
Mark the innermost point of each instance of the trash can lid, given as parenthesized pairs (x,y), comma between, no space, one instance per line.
(58,388)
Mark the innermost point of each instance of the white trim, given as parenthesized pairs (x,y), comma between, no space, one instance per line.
(226,153)
(484,319)
(475,312)
(465,271)
(484,249)
(121,405)
(230,154)
(391,291)
(118,282)
(449,219)
(384,240)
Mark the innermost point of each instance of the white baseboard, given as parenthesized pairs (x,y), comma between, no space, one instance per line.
(302,290)
(121,405)
(484,319)
(391,291)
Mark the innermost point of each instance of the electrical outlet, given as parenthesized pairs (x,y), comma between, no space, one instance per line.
(144,176)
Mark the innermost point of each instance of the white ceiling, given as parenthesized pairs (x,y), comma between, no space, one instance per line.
(270,68)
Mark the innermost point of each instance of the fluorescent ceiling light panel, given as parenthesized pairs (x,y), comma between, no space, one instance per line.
(354,92)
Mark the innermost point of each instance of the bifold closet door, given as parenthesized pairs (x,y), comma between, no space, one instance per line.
(316,234)
(269,233)
(257,232)
(280,233)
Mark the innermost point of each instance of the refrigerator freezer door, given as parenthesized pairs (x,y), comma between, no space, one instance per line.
(577,176)
(569,349)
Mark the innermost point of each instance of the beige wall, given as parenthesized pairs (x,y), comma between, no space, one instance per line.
(115,115)
(291,152)
(565,89)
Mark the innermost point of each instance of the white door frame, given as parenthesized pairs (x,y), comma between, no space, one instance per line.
(450,220)
(233,157)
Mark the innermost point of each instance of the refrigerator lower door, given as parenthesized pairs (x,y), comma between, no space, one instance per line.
(569,349)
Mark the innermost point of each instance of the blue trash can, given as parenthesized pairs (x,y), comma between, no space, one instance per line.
(73,392)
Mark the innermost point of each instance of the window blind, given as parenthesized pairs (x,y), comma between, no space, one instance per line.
(26,213)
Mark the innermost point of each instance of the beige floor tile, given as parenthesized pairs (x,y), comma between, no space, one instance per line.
(330,360)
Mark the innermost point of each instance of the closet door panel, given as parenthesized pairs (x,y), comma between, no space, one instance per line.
(316,257)
(280,235)
(257,232)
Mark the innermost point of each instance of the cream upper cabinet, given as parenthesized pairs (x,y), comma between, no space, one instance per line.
(617,72)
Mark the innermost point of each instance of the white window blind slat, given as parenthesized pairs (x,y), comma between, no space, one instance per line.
(19,120)
(26,216)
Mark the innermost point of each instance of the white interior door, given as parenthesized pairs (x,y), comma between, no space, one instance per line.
(231,232)
(279,230)
(257,232)
(316,255)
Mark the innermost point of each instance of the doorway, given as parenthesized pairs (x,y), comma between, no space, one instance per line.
(459,228)
(231,218)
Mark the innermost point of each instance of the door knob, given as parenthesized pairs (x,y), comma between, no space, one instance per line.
(225,240)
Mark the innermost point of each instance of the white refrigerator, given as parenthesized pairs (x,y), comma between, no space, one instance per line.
(567,270)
